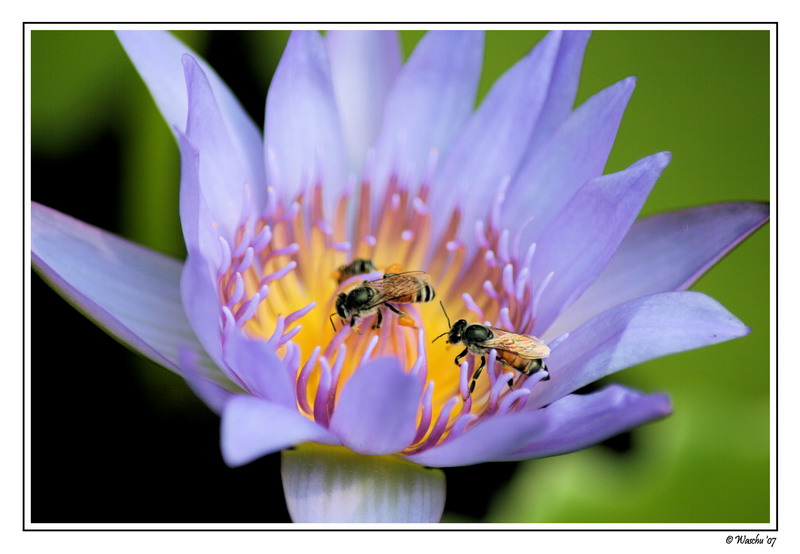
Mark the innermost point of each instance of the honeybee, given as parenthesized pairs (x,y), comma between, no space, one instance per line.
(370,296)
(523,353)
(358,266)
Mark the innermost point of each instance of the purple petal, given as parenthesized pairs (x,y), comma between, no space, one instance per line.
(377,409)
(128,290)
(207,390)
(577,421)
(490,439)
(157,57)
(575,153)
(255,363)
(665,252)
(364,65)
(585,235)
(562,89)
(429,104)
(252,428)
(303,134)
(491,146)
(196,220)
(633,333)
(569,424)
(222,174)
(201,304)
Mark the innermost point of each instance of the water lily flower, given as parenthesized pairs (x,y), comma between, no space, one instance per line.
(506,207)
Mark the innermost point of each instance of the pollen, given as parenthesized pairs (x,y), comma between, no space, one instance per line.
(278,282)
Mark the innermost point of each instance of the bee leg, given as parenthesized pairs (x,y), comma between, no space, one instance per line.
(477,374)
(379,321)
(403,319)
(395,310)
(464,353)
(510,381)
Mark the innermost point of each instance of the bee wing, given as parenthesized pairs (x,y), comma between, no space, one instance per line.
(409,276)
(397,285)
(522,345)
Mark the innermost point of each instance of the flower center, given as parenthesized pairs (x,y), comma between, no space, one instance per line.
(278,282)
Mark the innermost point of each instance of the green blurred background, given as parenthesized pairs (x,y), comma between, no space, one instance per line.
(102,153)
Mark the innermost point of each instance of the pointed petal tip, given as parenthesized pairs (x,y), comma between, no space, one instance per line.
(664,407)
(763,208)
(553,37)
(728,326)
(190,67)
(187,59)
(621,91)
(659,160)
(660,402)
(735,327)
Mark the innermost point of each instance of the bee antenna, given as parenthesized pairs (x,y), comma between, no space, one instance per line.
(445,315)
(440,336)
(330,318)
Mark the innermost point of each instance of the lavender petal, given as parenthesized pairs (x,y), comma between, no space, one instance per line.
(197,223)
(128,290)
(669,251)
(210,392)
(157,57)
(252,427)
(494,140)
(377,410)
(578,421)
(585,235)
(430,102)
(490,439)
(562,89)
(632,333)
(575,153)
(265,375)
(201,304)
(364,65)
(303,134)
(221,174)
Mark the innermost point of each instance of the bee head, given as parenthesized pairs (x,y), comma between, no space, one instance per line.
(476,334)
(340,305)
(457,331)
(361,265)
